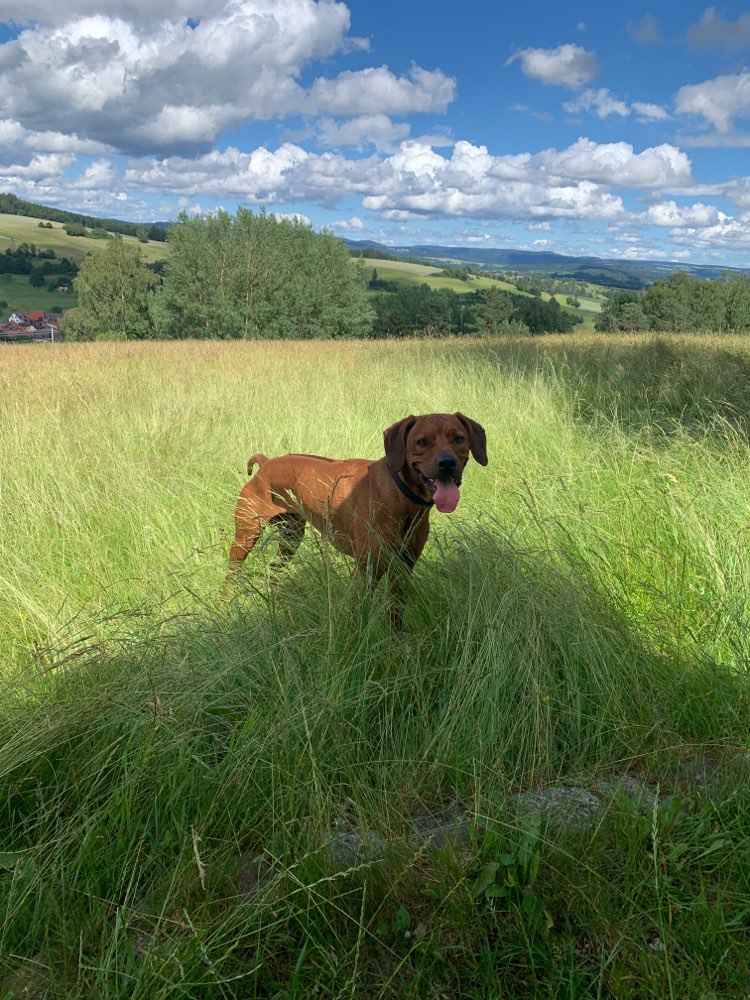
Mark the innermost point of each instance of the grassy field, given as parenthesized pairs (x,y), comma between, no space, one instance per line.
(22,296)
(421,274)
(401,270)
(175,769)
(15,229)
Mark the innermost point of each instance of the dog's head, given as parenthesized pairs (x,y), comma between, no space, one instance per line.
(430,452)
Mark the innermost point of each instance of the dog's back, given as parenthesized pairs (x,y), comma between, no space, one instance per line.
(260,459)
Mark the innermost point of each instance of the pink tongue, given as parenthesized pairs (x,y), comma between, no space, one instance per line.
(446,497)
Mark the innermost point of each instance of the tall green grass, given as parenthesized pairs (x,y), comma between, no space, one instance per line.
(175,766)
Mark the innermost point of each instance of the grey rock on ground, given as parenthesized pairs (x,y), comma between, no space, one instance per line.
(559,805)
(433,829)
(354,847)
(641,796)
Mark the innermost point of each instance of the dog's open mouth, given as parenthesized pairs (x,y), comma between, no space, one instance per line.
(444,492)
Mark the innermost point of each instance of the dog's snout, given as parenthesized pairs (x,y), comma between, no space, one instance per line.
(446,463)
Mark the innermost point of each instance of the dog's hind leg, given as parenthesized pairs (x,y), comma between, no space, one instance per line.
(291,530)
(252,515)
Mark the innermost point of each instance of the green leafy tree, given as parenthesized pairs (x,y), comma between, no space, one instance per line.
(256,276)
(623,312)
(633,318)
(668,304)
(543,317)
(493,311)
(737,299)
(114,295)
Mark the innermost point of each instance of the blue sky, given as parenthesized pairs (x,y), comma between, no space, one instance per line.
(606,129)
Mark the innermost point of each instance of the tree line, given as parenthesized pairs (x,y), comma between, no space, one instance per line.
(256,276)
(681,303)
(403,310)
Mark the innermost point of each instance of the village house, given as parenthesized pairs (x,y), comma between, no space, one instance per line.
(37,326)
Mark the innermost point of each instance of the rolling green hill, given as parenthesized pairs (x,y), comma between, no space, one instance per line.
(15,229)
(16,289)
(419,274)
(614,273)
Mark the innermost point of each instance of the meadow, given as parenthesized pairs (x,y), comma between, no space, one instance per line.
(16,290)
(15,229)
(437,278)
(177,771)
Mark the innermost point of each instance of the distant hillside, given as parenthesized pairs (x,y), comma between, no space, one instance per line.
(614,273)
(617,273)
(11,205)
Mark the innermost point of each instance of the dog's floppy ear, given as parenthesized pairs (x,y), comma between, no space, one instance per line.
(394,441)
(477,438)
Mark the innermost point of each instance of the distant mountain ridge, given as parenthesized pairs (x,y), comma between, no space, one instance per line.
(618,273)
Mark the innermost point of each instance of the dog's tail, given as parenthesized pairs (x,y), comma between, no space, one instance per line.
(257,459)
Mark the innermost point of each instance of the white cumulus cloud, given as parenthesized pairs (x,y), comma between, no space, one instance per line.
(140,85)
(599,102)
(669,213)
(603,103)
(378,90)
(565,66)
(617,163)
(718,101)
(418,180)
(375,129)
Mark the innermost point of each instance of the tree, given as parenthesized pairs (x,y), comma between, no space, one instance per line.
(544,317)
(256,276)
(737,297)
(633,318)
(114,295)
(667,304)
(493,311)
(623,312)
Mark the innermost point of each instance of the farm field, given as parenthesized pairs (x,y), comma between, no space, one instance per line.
(21,296)
(16,290)
(205,799)
(397,270)
(402,270)
(15,229)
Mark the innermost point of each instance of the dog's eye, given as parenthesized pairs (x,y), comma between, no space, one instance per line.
(459,439)
(421,442)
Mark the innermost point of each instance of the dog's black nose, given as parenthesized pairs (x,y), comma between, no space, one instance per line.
(446,464)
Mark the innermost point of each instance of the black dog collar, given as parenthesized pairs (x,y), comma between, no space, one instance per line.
(408,492)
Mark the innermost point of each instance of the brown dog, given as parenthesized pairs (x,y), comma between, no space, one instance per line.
(376,511)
